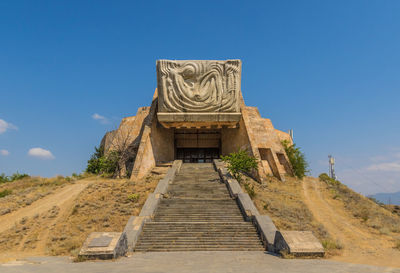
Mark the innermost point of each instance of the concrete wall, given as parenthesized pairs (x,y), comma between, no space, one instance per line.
(129,129)
(253,133)
(145,158)
(234,139)
(265,144)
(162,141)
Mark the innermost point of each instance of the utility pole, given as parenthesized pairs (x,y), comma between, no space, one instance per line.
(332,167)
(291,134)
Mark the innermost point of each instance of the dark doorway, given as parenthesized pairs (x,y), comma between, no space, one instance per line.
(197,155)
(197,145)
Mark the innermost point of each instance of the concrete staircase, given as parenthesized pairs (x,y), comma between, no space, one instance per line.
(198,214)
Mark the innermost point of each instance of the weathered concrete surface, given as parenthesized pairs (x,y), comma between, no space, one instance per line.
(104,245)
(197,262)
(232,184)
(153,199)
(233,187)
(133,229)
(298,243)
(265,144)
(247,206)
(163,184)
(135,224)
(145,160)
(265,227)
(150,205)
(267,230)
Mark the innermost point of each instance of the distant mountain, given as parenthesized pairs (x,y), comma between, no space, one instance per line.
(393,198)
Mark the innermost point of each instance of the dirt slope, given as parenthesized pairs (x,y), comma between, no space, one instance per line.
(58,222)
(58,198)
(19,225)
(361,244)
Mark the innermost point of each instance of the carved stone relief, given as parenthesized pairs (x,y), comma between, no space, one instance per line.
(198,86)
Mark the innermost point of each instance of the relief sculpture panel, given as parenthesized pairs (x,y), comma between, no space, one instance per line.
(202,86)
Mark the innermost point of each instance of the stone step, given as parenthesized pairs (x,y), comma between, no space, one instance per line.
(198,248)
(241,224)
(248,242)
(197,186)
(198,202)
(197,219)
(198,215)
(203,217)
(191,213)
(196,179)
(202,224)
(200,230)
(196,212)
(152,235)
(172,228)
(206,192)
(209,207)
(199,195)
(202,191)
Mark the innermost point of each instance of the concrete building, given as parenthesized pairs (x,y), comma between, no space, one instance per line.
(197,114)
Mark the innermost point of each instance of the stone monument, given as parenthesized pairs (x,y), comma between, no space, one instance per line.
(197,115)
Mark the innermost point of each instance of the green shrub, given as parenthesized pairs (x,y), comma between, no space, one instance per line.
(297,159)
(330,181)
(134,197)
(239,163)
(13,177)
(94,163)
(18,176)
(3,178)
(4,193)
(99,163)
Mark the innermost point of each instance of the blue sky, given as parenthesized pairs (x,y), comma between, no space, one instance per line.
(327,69)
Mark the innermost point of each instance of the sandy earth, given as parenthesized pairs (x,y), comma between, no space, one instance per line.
(361,244)
(62,198)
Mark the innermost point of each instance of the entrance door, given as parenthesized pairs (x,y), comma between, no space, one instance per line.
(197,145)
(197,155)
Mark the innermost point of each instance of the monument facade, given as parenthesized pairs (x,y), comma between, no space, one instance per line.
(197,115)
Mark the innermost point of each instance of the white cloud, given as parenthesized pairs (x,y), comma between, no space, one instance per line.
(41,153)
(387,167)
(4,152)
(372,173)
(4,126)
(100,118)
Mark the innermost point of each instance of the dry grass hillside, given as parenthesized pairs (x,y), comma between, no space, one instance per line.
(53,216)
(60,212)
(351,227)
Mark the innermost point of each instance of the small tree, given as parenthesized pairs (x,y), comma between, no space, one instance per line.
(297,159)
(94,163)
(100,163)
(239,163)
